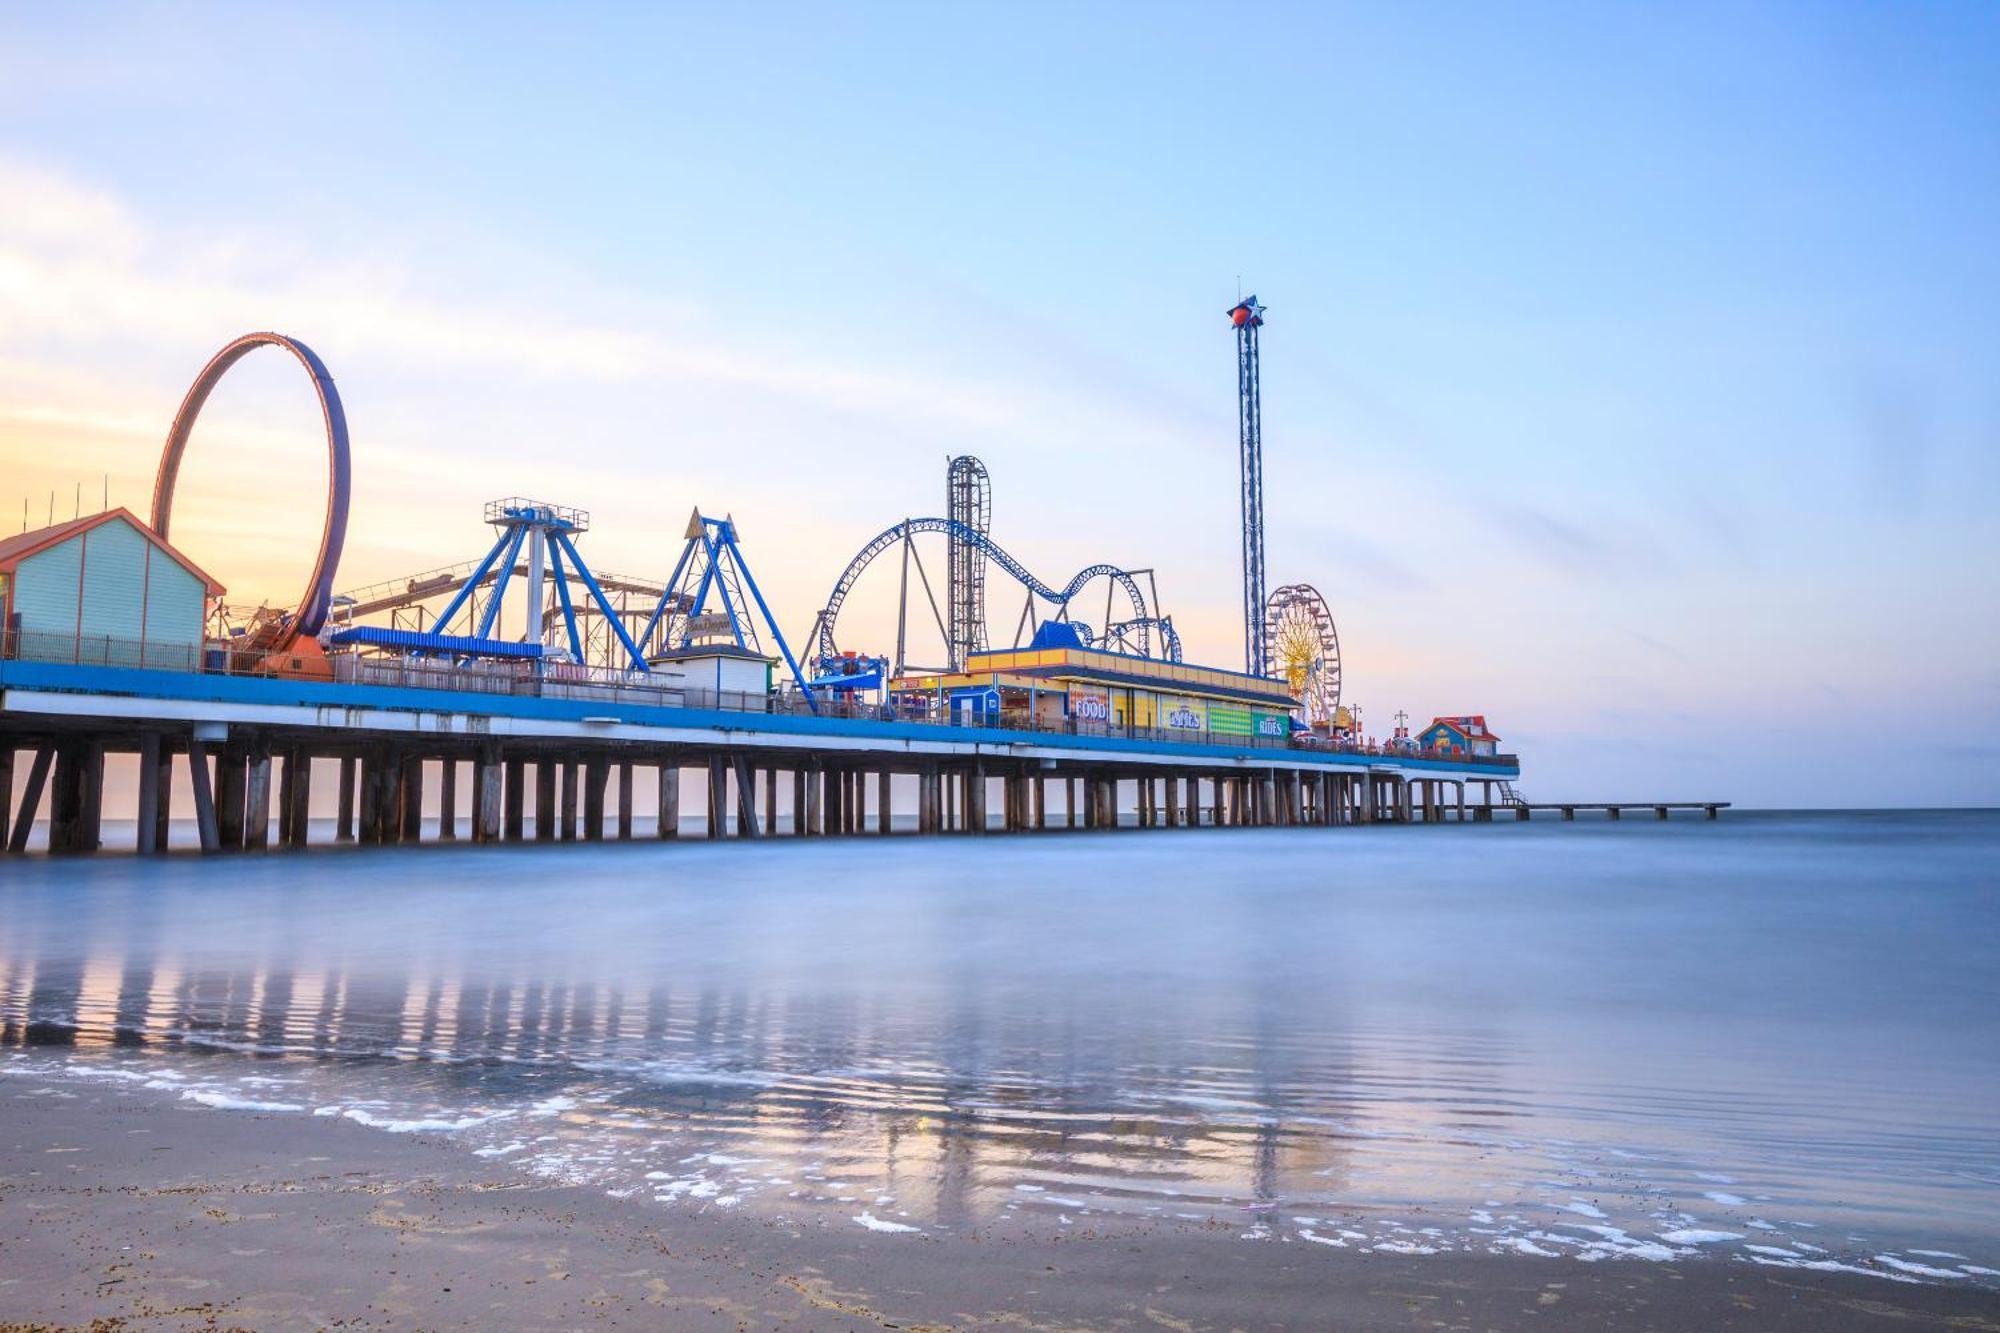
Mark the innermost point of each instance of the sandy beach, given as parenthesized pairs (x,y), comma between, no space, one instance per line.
(127,1209)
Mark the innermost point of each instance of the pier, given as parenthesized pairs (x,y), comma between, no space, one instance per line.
(575,710)
(1616,809)
(425,759)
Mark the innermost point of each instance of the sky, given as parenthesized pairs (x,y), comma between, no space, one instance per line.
(1632,373)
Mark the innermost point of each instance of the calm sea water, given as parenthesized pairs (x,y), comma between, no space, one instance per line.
(1774,1039)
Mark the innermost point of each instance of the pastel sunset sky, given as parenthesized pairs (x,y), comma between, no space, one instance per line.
(1632,373)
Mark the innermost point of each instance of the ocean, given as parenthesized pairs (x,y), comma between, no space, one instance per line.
(1773,1039)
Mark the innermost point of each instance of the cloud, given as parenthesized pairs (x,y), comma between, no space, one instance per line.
(1572,548)
(77,266)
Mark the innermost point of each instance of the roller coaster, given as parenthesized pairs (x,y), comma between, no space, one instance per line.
(1143,632)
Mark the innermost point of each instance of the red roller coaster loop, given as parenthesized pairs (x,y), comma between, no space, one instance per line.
(312,606)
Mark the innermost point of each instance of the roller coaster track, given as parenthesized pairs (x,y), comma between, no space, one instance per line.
(1140,626)
(397,594)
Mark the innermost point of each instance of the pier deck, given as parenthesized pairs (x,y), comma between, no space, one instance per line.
(563,762)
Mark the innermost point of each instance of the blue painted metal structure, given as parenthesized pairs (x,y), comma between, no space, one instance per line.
(548,529)
(428,643)
(1248,317)
(713,562)
(1140,627)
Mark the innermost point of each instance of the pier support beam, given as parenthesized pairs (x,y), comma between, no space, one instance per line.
(885,805)
(746,797)
(147,832)
(596,777)
(488,798)
(624,800)
(572,781)
(545,799)
(204,799)
(343,820)
(163,808)
(257,798)
(669,816)
(412,783)
(513,798)
(718,793)
(448,799)
(31,799)
(298,801)
(975,802)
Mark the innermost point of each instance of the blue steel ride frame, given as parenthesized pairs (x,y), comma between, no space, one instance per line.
(506,552)
(722,568)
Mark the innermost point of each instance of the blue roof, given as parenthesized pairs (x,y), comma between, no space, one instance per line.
(420,641)
(1054,634)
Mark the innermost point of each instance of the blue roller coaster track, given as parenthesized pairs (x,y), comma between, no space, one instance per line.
(1137,631)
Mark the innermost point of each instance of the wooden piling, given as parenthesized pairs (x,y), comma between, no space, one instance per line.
(513,798)
(257,798)
(147,834)
(545,798)
(343,820)
(31,798)
(448,799)
(669,817)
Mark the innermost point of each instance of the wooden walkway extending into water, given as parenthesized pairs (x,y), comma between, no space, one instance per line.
(1612,809)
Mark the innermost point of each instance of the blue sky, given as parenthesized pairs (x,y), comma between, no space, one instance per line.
(1630,374)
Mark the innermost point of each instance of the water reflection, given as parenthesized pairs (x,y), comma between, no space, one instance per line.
(1440,1039)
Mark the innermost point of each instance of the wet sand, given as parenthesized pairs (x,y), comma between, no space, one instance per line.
(128,1210)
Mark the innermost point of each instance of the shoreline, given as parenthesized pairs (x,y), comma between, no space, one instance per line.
(120,1204)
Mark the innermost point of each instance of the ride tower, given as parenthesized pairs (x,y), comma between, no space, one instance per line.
(969,504)
(1248,316)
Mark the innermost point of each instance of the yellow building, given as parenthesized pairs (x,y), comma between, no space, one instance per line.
(1096,691)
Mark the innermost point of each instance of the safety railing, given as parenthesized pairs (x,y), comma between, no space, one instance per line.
(614,689)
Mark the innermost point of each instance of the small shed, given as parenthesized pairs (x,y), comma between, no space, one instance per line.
(106,589)
(718,668)
(1462,734)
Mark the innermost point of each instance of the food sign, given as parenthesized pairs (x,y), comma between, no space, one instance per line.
(1086,706)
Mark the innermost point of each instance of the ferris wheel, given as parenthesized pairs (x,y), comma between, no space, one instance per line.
(1302,645)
